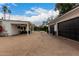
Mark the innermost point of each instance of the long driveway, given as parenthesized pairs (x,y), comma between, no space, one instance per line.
(38,44)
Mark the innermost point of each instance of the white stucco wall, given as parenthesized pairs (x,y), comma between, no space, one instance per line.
(27,28)
(14,30)
(7,27)
(56,28)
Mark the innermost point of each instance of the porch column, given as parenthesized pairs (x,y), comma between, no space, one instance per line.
(27,28)
(49,29)
(56,29)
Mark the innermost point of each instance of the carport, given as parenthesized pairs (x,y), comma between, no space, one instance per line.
(14,27)
(19,28)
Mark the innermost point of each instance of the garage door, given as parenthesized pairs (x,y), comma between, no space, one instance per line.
(69,29)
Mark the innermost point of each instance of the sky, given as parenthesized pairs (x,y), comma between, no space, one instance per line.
(33,12)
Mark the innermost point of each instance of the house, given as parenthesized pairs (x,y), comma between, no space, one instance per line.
(14,27)
(66,25)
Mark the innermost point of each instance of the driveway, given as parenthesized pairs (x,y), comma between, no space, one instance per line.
(38,44)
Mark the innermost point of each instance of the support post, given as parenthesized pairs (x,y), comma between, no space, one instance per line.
(27,28)
(49,29)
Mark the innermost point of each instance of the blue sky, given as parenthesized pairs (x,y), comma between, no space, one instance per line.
(20,8)
(34,12)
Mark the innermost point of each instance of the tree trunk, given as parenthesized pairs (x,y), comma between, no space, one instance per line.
(4,16)
(9,17)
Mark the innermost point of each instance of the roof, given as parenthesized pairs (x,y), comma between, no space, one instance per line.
(58,18)
(13,20)
(16,21)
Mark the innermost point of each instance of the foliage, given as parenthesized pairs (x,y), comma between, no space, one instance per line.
(40,28)
(64,7)
(5,10)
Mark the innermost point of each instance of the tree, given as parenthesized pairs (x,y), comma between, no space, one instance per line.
(64,7)
(5,10)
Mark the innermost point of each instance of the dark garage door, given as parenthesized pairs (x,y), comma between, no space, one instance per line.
(69,29)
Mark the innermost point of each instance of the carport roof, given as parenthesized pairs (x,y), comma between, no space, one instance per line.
(16,21)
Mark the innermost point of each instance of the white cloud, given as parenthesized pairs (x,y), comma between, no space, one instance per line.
(14,4)
(40,10)
(1,15)
(30,13)
(42,15)
(1,4)
(36,11)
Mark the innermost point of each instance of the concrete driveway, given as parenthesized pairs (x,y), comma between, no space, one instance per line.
(38,44)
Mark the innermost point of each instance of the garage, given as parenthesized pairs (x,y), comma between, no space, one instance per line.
(69,28)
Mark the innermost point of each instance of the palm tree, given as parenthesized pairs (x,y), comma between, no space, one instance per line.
(5,10)
(9,11)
